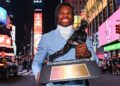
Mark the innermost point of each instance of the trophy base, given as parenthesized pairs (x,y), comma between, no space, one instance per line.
(69,71)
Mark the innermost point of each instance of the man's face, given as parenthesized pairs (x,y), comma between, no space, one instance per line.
(65,17)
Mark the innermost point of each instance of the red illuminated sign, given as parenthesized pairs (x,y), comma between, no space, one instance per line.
(37,29)
(38,23)
(5,41)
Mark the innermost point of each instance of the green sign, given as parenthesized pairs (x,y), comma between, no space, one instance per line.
(112,47)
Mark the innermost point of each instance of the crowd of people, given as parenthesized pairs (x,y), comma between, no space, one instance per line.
(25,62)
(110,65)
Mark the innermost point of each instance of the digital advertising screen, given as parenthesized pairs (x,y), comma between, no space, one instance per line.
(5,41)
(37,29)
(38,23)
(107,32)
(3,14)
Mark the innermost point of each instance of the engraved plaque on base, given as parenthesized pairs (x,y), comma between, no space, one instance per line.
(69,72)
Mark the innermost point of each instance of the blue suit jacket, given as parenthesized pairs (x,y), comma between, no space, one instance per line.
(49,44)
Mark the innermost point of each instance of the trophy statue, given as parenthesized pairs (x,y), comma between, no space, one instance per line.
(79,36)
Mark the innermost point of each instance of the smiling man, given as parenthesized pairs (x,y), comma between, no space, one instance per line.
(55,40)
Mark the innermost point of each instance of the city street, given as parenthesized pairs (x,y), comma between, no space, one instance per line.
(23,79)
(27,79)
(106,80)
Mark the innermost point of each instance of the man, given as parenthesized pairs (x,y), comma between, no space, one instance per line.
(55,41)
(118,28)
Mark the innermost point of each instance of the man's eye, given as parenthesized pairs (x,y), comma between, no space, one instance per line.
(70,13)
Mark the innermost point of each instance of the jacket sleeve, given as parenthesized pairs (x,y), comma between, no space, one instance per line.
(39,56)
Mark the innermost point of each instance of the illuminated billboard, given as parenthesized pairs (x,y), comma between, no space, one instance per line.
(5,41)
(3,14)
(6,51)
(38,23)
(37,38)
(94,7)
(37,29)
(107,32)
(77,20)
(5,46)
(37,1)
(13,38)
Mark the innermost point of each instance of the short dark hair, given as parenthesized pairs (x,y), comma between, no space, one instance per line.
(58,9)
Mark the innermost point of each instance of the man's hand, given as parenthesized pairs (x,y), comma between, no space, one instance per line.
(118,28)
(38,79)
(82,51)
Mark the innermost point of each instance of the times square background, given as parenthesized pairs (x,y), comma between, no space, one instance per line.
(27,20)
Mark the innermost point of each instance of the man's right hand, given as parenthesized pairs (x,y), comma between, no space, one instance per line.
(38,79)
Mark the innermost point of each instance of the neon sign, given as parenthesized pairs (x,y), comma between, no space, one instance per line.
(112,47)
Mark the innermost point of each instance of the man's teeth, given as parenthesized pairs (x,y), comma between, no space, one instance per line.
(65,20)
